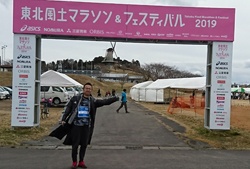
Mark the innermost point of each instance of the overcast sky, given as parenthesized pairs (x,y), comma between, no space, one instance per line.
(185,57)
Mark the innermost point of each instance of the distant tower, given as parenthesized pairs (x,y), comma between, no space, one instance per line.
(108,60)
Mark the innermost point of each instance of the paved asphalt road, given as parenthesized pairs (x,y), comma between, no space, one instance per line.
(138,140)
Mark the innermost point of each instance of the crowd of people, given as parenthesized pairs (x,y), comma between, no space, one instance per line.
(240,96)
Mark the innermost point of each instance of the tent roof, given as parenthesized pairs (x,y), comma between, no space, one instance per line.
(53,78)
(179,83)
(247,90)
(237,90)
(142,85)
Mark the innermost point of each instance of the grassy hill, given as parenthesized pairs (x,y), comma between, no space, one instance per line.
(6,80)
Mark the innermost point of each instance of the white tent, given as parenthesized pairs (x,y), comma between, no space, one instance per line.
(53,78)
(137,92)
(154,92)
(247,90)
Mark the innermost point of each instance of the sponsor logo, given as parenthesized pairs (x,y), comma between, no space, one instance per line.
(53,30)
(23,57)
(221,95)
(22,104)
(23,111)
(221,77)
(20,108)
(221,81)
(221,85)
(220,98)
(30,28)
(222,63)
(159,34)
(220,118)
(22,101)
(23,84)
(138,33)
(222,51)
(24,41)
(222,73)
(23,76)
(22,117)
(93,31)
(22,114)
(218,112)
(220,107)
(24,66)
(23,80)
(170,35)
(23,71)
(22,121)
(128,33)
(27,108)
(221,68)
(219,101)
(23,28)
(22,97)
(220,115)
(23,93)
(219,124)
(24,48)
(23,61)
(23,89)
(221,91)
(220,121)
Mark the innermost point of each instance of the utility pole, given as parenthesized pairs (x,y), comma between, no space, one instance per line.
(3,54)
(86,67)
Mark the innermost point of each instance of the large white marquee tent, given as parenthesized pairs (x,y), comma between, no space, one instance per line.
(154,91)
(53,78)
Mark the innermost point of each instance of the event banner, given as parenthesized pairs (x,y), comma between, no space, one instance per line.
(123,21)
(220,101)
(23,84)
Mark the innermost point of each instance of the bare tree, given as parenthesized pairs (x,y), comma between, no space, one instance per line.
(123,80)
(156,71)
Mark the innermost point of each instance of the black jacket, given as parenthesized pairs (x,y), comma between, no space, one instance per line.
(69,110)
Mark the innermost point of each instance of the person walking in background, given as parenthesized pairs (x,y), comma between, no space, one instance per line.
(113,92)
(99,93)
(107,94)
(124,101)
(79,114)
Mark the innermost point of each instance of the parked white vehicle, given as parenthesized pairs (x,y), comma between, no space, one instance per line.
(79,89)
(5,94)
(72,92)
(2,95)
(57,94)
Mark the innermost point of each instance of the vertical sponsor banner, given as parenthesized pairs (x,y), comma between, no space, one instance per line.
(23,83)
(220,108)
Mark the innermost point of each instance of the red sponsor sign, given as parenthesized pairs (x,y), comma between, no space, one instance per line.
(23,93)
(23,76)
(220,98)
(221,81)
